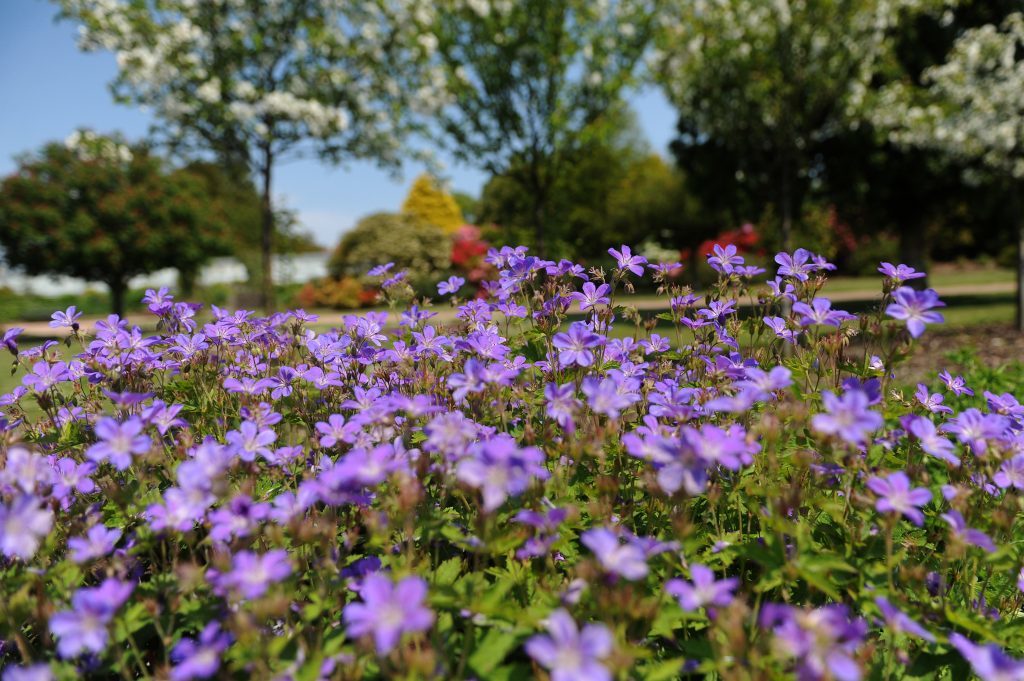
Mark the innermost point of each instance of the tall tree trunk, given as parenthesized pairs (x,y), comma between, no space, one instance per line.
(1018,216)
(786,207)
(117,286)
(267,233)
(540,223)
(914,250)
(187,281)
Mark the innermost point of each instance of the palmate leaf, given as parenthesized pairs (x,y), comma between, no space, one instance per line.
(491,649)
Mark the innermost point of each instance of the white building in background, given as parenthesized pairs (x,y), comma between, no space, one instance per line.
(295,268)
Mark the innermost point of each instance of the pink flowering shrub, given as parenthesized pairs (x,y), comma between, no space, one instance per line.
(535,484)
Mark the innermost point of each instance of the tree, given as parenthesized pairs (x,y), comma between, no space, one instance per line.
(260,82)
(424,250)
(528,81)
(767,82)
(591,201)
(468,204)
(972,108)
(432,205)
(102,210)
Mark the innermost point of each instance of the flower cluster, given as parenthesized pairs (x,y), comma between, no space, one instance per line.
(514,486)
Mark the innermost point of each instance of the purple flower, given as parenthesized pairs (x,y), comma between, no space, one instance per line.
(35,672)
(975,429)
(249,385)
(781,329)
(900,273)
(97,542)
(44,376)
(608,396)
(724,260)
(380,270)
(797,265)
(931,402)
(571,654)
(252,574)
(499,468)
(989,661)
(848,417)
(822,642)
(626,560)
(164,416)
(332,431)
(931,441)
(899,622)
(820,312)
(9,339)
(703,591)
(389,610)
(575,347)
(955,384)
(23,526)
(913,307)
(627,261)
(239,518)
(199,659)
(592,296)
(452,285)
(84,628)
(250,440)
(119,442)
(159,302)
(896,496)
(968,535)
(69,319)
(1011,473)
(562,405)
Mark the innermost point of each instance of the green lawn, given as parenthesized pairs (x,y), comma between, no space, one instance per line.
(873,285)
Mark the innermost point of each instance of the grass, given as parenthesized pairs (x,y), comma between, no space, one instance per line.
(940,279)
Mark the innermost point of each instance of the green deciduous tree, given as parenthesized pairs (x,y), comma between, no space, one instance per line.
(102,210)
(528,81)
(765,83)
(422,249)
(972,108)
(260,82)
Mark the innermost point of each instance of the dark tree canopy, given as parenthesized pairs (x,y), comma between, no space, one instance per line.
(105,211)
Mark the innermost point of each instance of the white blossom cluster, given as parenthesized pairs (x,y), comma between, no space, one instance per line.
(973,104)
(346,71)
(762,60)
(89,146)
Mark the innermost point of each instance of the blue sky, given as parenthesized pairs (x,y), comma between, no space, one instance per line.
(51,88)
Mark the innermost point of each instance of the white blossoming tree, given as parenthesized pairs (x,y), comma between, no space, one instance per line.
(971,107)
(261,82)
(768,81)
(530,79)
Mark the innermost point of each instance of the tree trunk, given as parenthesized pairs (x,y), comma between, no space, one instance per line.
(117,290)
(914,251)
(267,233)
(1019,217)
(786,208)
(187,282)
(539,224)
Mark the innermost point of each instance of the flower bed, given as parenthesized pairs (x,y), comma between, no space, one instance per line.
(513,494)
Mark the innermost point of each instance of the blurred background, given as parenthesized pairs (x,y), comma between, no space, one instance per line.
(269,153)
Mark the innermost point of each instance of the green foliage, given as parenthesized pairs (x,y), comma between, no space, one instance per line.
(527,82)
(84,213)
(381,238)
(428,203)
(612,190)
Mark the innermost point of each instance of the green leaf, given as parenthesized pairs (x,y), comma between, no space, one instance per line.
(491,650)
